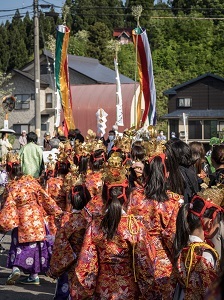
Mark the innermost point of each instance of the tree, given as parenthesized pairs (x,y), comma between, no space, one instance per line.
(145,16)
(78,43)
(99,35)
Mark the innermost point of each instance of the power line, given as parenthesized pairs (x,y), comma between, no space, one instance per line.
(14,9)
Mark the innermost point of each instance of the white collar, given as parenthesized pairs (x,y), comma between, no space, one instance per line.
(194,238)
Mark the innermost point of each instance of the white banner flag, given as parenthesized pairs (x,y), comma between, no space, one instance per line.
(58,110)
(119,105)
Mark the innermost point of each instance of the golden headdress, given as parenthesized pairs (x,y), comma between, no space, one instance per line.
(71,177)
(154,147)
(51,163)
(12,157)
(115,172)
(214,193)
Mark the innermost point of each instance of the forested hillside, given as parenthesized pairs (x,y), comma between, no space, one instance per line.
(186,37)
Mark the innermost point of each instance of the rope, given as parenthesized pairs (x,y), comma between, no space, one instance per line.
(189,258)
(131,223)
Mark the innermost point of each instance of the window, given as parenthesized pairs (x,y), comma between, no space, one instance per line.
(210,128)
(184,102)
(19,127)
(22,101)
(195,130)
(174,126)
(49,103)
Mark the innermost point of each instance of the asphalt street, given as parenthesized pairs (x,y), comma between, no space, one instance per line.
(45,291)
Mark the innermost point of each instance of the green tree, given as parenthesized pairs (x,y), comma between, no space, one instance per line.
(78,43)
(4,48)
(99,35)
(147,6)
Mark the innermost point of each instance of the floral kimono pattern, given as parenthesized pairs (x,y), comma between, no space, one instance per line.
(67,246)
(25,207)
(117,269)
(94,183)
(54,188)
(199,275)
(159,219)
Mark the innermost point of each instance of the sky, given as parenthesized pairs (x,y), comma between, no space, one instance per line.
(12,5)
(24,6)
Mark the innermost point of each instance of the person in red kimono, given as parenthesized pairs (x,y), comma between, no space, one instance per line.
(116,259)
(197,262)
(158,208)
(68,243)
(25,207)
(94,180)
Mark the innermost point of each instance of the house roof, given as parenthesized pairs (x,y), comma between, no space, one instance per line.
(173,90)
(118,32)
(196,114)
(29,76)
(90,67)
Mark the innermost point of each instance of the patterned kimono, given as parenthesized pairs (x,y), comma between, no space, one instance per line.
(26,205)
(117,269)
(54,188)
(159,219)
(94,182)
(68,243)
(197,270)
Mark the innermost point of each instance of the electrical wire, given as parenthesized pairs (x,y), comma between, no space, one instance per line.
(14,9)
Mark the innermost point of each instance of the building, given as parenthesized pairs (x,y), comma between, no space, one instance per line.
(85,74)
(196,108)
(123,35)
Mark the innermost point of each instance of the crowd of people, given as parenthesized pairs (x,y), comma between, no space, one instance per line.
(121,218)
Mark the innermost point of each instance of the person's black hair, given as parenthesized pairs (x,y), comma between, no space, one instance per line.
(187,222)
(175,182)
(71,134)
(155,181)
(182,152)
(15,170)
(218,154)
(62,138)
(32,137)
(61,168)
(113,207)
(97,159)
(79,197)
(112,131)
(83,164)
(137,152)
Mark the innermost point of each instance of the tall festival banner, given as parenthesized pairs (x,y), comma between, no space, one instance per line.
(63,109)
(119,103)
(146,78)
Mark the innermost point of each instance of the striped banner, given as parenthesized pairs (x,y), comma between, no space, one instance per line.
(146,78)
(62,78)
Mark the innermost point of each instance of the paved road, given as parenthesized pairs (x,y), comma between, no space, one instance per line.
(45,291)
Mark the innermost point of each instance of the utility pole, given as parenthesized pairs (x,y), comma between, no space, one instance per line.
(37,69)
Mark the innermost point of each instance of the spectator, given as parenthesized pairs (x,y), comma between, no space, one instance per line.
(161,136)
(31,156)
(23,139)
(47,137)
(109,143)
(5,146)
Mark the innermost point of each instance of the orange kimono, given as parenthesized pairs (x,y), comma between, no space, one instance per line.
(68,243)
(117,269)
(26,205)
(54,188)
(94,182)
(159,219)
